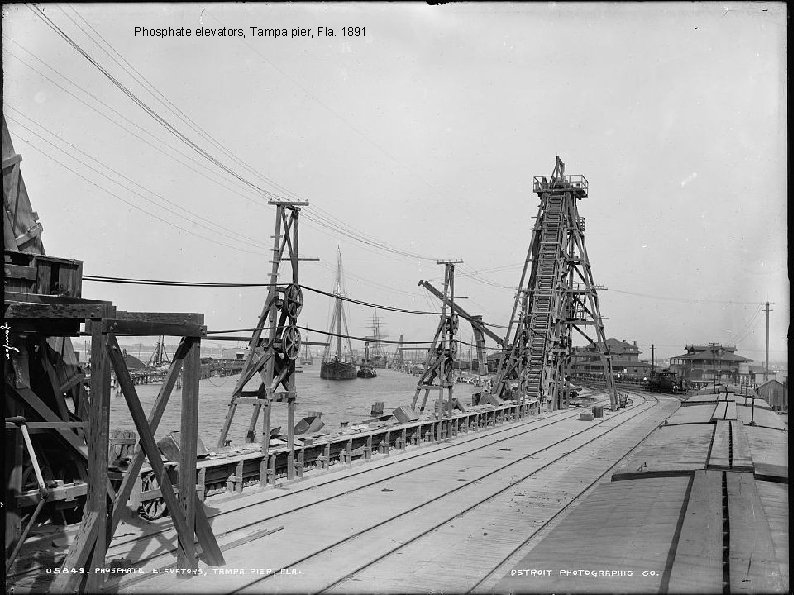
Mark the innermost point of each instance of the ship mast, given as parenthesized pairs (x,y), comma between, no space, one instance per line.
(338,318)
(338,292)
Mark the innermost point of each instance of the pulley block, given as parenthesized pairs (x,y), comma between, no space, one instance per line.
(291,342)
(293,300)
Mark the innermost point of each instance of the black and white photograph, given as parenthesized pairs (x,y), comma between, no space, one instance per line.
(395,297)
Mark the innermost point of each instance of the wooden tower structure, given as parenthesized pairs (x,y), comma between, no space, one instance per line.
(275,343)
(556,295)
(441,355)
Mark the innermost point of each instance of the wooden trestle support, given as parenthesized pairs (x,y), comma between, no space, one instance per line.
(105,507)
(443,350)
(273,356)
(556,295)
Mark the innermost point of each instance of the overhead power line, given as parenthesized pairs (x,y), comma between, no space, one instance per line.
(145,107)
(687,300)
(131,204)
(177,209)
(319,218)
(118,117)
(152,89)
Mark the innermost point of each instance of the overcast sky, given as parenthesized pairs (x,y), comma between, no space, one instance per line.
(423,134)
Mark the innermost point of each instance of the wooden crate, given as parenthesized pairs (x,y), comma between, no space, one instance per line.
(40,274)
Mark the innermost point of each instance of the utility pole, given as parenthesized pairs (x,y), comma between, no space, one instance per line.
(766,365)
(652,358)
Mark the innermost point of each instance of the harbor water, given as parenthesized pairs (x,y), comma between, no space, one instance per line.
(338,400)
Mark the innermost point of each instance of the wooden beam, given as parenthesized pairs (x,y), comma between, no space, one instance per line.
(35,425)
(188,437)
(289,203)
(13,271)
(98,431)
(165,317)
(151,328)
(265,444)
(56,310)
(47,327)
(250,401)
(209,545)
(13,160)
(77,556)
(291,439)
(73,381)
(27,396)
(40,298)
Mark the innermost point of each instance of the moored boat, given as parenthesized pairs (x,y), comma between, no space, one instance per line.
(338,365)
(365,368)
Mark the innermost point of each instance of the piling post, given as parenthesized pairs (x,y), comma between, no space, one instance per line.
(188,438)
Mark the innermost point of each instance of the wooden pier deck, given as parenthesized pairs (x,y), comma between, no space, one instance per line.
(699,507)
(394,523)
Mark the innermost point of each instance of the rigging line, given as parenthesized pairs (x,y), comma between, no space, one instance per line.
(366,339)
(165,283)
(343,336)
(360,237)
(345,228)
(182,210)
(368,304)
(204,172)
(148,110)
(485,281)
(131,204)
(498,268)
(152,89)
(366,281)
(107,279)
(750,330)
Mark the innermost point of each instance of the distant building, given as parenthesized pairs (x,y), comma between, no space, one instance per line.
(234,353)
(774,393)
(586,361)
(708,363)
(750,375)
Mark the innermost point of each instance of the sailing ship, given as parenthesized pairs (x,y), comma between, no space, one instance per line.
(159,359)
(338,365)
(378,356)
(365,368)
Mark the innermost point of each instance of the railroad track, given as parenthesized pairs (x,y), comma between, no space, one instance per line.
(460,515)
(160,532)
(253,510)
(330,555)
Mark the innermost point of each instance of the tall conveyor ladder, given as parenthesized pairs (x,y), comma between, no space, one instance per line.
(556,295)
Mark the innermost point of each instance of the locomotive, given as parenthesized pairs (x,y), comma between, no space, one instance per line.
(665,381)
